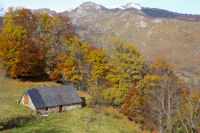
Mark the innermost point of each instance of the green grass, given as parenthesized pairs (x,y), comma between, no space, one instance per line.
(20,119)
(75,122)
(11,91)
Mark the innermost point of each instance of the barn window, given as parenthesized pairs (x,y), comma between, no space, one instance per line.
(26,99)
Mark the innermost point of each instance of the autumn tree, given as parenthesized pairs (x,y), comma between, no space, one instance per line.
(96,60)
(26,19)
(52,34)
(167,89)
(127,67)
(97,63)
(33,41)
(189,108)
(133,106)
(18,53)
(70,64)
(44,31)
(61,30)
(160,87)
(146,87)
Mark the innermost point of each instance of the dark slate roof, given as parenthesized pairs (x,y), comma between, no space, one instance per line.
(53,96)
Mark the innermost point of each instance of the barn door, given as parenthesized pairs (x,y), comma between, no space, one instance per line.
(26,99)
(60,108)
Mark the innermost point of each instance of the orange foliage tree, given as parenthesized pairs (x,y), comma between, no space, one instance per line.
(18,53)
(66,67)
(30,42)
(133,106)
(70,64)
(28,62)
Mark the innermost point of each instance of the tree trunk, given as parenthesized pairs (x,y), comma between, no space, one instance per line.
(99,121)
(169,112)
(160,118)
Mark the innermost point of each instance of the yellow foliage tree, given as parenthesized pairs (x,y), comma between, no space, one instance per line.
(127,68)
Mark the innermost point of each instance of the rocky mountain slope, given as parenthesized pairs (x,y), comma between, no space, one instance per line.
(155,32)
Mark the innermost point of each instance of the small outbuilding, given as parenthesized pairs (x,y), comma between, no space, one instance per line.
(55,99)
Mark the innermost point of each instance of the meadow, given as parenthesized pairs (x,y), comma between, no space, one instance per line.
(15,118)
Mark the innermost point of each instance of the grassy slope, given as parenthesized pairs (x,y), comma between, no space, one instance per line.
(72,122)
(76,122)
(11,91)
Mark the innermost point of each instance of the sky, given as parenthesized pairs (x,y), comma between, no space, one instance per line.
(181,6)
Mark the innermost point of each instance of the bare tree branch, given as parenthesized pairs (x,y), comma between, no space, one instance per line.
(181,118)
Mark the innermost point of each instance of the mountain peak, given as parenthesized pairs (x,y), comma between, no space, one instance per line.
(90,6)
(89,3)
(132,5)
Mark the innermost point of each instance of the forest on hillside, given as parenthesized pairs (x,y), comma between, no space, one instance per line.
(151,95)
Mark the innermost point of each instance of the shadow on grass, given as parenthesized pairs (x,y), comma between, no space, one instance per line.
(45,131)
(117,117)
(106,113)
(15,122)
(41,78)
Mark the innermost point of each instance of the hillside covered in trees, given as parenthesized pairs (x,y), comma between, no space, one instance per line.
(34,45)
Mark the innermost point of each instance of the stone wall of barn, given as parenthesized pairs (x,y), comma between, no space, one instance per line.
(30,103)
(71,107)
(48,110)
(65,108)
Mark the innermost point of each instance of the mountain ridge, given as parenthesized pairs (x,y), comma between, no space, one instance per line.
(145,11)
(155,32)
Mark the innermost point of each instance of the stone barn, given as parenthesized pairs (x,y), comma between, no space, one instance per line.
(55,99)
